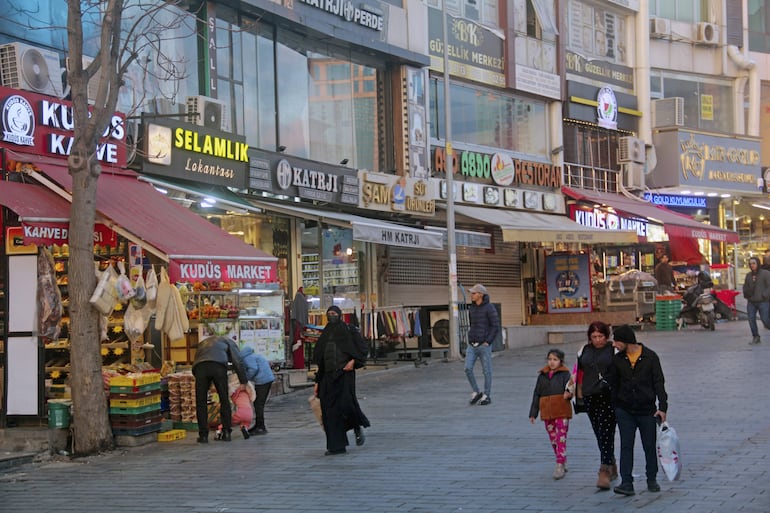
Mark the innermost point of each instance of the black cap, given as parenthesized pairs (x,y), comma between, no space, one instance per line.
(624,334)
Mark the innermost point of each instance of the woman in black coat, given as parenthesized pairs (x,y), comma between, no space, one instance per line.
(335,356)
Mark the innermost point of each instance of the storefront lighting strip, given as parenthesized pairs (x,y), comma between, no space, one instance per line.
(761,205)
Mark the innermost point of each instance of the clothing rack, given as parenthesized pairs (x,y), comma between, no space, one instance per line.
(395,323)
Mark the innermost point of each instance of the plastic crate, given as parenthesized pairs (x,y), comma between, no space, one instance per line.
(136,402)
(149,387)
(134,380)
(186,426)
(170,436)
(135,421)
(137,431)
(134,411)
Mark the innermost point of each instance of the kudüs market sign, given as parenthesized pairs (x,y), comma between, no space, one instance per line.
(46,125)
(603,220)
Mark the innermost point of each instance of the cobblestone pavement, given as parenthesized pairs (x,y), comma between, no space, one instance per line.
(428,451)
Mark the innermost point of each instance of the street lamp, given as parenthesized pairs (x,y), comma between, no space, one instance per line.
(454,339)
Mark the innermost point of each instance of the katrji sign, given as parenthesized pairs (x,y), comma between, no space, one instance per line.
(222,271)
(44,125)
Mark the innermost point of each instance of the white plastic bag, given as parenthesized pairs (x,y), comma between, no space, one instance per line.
(668,451)
(105,296)
(151,286)
(124,288)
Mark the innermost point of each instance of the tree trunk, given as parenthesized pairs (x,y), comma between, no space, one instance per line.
(92,431)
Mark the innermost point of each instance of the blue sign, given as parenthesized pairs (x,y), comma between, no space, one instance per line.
(674,200)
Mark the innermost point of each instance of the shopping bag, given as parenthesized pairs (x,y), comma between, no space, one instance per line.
(668,451)
(315,405)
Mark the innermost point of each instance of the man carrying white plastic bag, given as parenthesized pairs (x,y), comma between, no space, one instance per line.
(668,451)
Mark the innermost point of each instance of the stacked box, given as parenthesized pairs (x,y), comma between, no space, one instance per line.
(135,404)
(181,398)
(667,309)
(164,397)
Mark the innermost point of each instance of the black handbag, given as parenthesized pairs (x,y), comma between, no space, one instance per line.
(578,405)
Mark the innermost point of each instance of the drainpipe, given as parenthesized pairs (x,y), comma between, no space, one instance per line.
(745,63)
(642,73)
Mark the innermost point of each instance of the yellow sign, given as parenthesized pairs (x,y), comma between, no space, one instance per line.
(707,107)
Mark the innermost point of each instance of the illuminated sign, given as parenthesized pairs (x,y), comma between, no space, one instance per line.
(471,164)
(603,220)
(672,200)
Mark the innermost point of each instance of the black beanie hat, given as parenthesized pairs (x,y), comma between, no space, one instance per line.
(334,308)
(624,334)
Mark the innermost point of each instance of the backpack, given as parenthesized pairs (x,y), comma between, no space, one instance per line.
(360,344)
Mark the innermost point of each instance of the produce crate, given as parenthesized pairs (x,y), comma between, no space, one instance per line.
(137,402)
(134,411)
(135,421)
(134,380)
(187,426)
(149,387)
(151,428)
(170,436)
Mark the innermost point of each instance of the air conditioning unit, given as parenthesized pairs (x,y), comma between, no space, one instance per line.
(660,27)
(668,112)
(208,112)
(33,69)
(93,84)
(707,33)
(633,176)
(630,149)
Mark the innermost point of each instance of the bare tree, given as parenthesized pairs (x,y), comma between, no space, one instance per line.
(128,30)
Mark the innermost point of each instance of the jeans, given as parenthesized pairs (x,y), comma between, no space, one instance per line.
(483,353)
(764,313)
(627,425)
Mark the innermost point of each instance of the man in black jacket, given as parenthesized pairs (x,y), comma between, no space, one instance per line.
(637,382)
(210,366)
(485,325)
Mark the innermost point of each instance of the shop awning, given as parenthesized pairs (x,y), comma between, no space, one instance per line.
(674,223)
(519,226)
(44,215)
(222,197)
(364,229)
(195,249)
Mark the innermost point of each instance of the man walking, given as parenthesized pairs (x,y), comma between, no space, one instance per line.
(637,382)
(485,324)
(756,290)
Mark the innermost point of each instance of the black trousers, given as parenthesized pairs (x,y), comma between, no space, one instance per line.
(206,373)
(263,391)
(628,423)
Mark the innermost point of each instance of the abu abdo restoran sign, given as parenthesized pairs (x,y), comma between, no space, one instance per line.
(44,125)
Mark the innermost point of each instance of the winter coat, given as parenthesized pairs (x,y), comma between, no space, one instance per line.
(257,367)
(756,286)
(548,397)
(485,323)
(591,362)
(334,349)
(635,389)
(220,350)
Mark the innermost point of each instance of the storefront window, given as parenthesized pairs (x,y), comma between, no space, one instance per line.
(489,118)
(330,266)
(597,32)
(707,102)
(759,26)
(682,10)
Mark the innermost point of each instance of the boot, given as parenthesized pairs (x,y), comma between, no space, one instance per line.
(603,482)
(558,473)
(613,471)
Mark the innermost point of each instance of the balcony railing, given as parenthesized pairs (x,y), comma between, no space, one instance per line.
(592,178)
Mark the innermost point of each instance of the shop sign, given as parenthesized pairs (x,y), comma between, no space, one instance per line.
(502,169)
(607,108)
(45,126)
(568,281)
(190,271)
(195,153)
(363,14)
(46,234)
(674,200)
(604,220)
(474,52)
(607,72)
(706,158)
(391,193)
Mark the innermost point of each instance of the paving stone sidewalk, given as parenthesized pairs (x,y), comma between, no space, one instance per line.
(428,451)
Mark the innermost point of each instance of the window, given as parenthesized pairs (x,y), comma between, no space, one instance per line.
(681,10)
(482,11)
(759,26)
(489,118)
(708,102)
(597,32)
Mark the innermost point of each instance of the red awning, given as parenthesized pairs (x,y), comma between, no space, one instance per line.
(196,249)
(44,215)
(674,223)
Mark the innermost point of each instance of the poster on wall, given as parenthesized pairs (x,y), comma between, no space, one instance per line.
(568,283)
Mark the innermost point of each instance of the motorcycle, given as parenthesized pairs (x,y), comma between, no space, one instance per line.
(698,304)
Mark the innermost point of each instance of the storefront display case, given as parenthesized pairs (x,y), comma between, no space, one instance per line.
(633,290)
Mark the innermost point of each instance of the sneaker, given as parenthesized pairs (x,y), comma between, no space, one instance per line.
(475,396)
(485,400)
(754,341)
(559,471)
(360,437)
(653,486)
(625,489)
